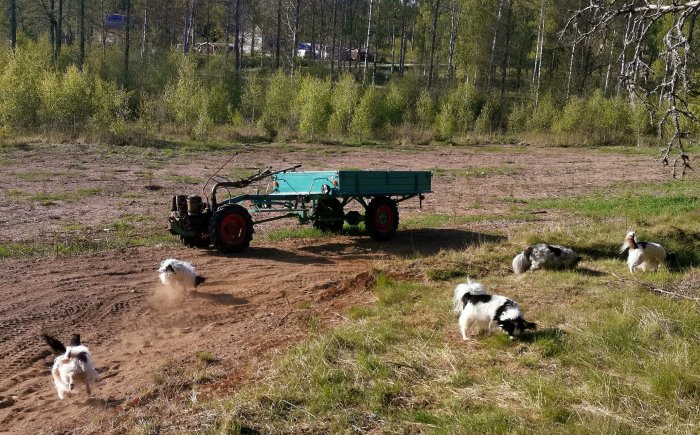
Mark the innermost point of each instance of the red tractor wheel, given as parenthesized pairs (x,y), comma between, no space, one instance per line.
(231,229)
(382,218)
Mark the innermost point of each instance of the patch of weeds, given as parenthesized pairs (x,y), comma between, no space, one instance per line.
(184,179)
(205,357)
(15,193)
(132,195)
(36,175)
(51,198)
(77,167)
(437,220)
(477,172)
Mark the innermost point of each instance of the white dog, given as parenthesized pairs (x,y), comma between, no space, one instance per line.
(545,256)
(73,364)
(644,256)
(481,310)
(179,274)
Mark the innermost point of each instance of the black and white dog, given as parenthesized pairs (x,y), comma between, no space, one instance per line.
(644,256)
(179,274)
(483,311)
(72,365)
(545,256)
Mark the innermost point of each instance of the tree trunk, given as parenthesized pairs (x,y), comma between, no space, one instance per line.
(393,46)
(369,30)
(227,29)
(295,36)
(143,33)
(59,30)
(537,72)
(252,38)
(279,30)
(191,26)
(52,19)
(313,29)
(13,24)
(493,43)
(81,19)
(506,51)
(237,36)
(127,42)
(186,29)
(402,50)
(436,15)
(452,42)
(335,7)
(104,31)
(571,71)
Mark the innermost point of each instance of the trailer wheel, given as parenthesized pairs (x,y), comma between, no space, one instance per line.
(199,241)
(231,229)
(382,218)
(328,215)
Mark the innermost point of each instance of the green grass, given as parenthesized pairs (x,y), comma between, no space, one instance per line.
(47,198)
(438,220)
(600,362)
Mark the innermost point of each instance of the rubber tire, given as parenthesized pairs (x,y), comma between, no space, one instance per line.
(332,208)
(382,231)
(231,215)
(196,242)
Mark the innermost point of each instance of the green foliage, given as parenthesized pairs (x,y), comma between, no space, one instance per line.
(253,98)
(466,103)
(343,102)
(109,103)
(401,96)
(314,103)
(66,99)
(281,93)
(367,119)
(184,97)
(20,79)
(425,109)
(544,116)
(446,121)
(518,118)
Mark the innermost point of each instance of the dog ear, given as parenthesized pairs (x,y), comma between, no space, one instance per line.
(75,340)
(169,268)
(54,344)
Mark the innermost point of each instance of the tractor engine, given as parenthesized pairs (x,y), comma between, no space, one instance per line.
(189,217)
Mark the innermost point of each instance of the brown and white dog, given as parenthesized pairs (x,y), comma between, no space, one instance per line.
(72,366)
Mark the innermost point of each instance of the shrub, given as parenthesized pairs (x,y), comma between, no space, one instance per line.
(367,118)
(466,104)
(425,109)
(253,98)
(446,121)
(314,102)
(573,117)
(396,104)
(184,97)
(205,123)
(484,122)
(544,116)
(518,118)
(280,95)
(20,77)
(66,100)
(343,102)
(109,104)
(219,103)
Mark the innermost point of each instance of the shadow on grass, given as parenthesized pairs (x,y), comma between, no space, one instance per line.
(590,272)
(552,334)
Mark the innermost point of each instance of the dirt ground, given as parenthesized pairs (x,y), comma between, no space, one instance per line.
(253,304)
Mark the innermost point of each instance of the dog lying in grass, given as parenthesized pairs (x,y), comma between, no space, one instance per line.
(644,256)
(543,256)
(179,275)
(72,365)
(484,311)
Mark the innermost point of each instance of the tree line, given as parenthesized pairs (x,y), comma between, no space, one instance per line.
(513,53)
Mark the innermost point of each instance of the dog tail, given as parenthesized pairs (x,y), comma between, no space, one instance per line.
(54,344)
(470,287)
(198,280)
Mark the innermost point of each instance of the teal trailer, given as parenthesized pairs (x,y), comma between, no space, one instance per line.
(319,197)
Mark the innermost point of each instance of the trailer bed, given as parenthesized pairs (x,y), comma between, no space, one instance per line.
(352,183)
